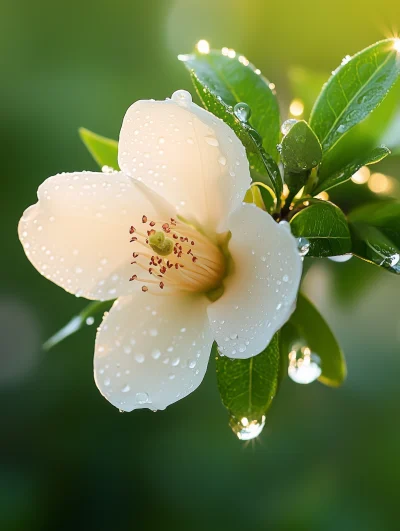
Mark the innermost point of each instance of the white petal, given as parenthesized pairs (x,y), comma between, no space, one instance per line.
(152,350)
(77,234)
(184,152)
(260,295)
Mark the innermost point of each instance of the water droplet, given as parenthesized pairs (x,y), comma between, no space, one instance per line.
(142,398)
(212,141)
(246,429)
(90,321)
(287,125)
(182,97)
(192,364)
(303,246)
(304,365)
(139,358)
(126,389)
(222,160)
(156,354)
(107,382)
(242,111)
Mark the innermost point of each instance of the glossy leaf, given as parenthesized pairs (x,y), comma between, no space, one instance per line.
(300,148)
(325,227)
(84,318)
(375,233)
(247,387)
(264,167)
(355,89)
(235,80)
(267,195)
(349,170)
(103,150)
(307,328)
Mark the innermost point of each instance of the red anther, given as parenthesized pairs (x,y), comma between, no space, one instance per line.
(194,259)
(151,232)
(134,239)
(163,270)
(145,288)
(144,219)
(173,222)
(189,251)
(135,255)
(162,285)
(176,266)
(133,277)
(150,271)
(134,262)
(152,223)
(159,261)
(132,230)
(175,236)
(191,243)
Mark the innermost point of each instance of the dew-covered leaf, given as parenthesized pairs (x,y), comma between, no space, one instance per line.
(375,231)
(324,225)
(84,318)
(248,386)
(307,328)
(235,80)
(344,174)
(355,89)
(260,160)
(300,148)
(103,150)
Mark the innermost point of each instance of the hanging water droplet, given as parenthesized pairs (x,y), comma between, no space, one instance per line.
(287,125)
(303,246)
(242,111)
(304,365)
(246,429)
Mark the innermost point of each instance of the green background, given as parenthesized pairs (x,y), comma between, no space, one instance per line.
(328,459)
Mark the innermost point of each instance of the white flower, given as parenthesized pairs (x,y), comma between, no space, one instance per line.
(153,236)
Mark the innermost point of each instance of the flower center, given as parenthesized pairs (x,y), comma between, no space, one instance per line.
(174,255)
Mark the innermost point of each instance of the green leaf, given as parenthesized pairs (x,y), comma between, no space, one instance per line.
(307,328)
(375,233)
(267,195)
(355,89)
(261,162)
(300,148)
(325,227)
(247,387)
(344,174)
(370,244)
(103,150)
(85,317)
(235,80)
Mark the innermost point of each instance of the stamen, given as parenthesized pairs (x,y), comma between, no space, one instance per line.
(194,263)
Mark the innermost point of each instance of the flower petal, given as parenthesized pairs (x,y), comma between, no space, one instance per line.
(152,350)
(260,294)
(77,234)
(189,155)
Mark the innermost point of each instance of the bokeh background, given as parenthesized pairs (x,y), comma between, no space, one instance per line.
(327,459)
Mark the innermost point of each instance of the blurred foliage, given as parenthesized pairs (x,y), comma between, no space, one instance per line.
(68,460)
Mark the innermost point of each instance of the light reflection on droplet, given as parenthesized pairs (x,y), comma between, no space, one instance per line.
(246,429)
(304,366)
